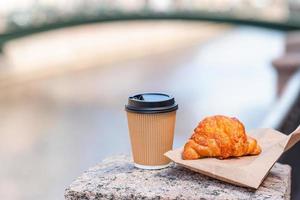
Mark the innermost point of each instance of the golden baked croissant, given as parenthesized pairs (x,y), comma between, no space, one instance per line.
(220,136)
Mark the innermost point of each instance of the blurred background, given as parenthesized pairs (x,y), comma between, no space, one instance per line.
(68,66)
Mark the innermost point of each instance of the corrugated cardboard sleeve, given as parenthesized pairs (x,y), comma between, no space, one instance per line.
(151,136)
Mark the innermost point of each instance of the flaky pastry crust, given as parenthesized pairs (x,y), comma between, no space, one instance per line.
(222,137)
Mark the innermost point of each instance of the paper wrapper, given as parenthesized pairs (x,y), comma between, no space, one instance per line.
(247,171)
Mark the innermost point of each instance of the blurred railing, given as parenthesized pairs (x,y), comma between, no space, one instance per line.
(224,17)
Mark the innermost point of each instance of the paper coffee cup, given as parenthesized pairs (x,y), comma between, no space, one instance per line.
(151,122)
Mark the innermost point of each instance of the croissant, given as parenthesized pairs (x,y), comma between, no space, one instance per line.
(222,137)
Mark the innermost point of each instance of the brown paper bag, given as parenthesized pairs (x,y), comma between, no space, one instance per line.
(247,171)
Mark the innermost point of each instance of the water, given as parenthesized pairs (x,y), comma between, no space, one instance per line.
(52,130)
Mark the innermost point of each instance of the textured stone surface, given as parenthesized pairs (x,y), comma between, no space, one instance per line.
(117,178)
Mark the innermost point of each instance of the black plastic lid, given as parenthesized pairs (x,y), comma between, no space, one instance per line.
(151,103)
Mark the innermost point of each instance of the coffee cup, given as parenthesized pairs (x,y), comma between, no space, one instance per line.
(151,122)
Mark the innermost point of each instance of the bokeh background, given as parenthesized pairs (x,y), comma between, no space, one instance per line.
(67,68)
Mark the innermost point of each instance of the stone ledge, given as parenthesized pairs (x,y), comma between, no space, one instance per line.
(117,178)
